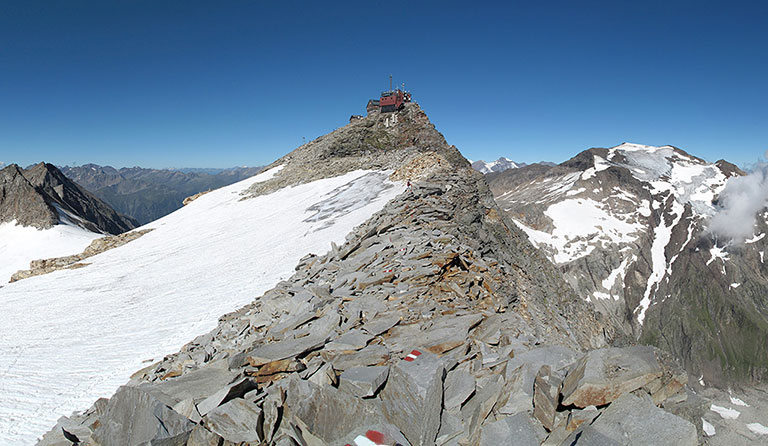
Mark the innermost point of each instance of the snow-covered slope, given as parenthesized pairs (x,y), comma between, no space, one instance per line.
(21,244)
(138,302)
(628,227)
(582,209)
(500,165)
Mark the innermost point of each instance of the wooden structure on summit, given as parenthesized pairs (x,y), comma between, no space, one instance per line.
(390,100)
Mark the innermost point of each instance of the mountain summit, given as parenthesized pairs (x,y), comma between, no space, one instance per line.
(431,319)
(500,165)
(628,227)
(41,196)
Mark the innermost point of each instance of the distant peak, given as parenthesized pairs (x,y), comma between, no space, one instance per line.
(500,165)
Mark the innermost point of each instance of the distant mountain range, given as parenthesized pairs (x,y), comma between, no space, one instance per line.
(148,194)
(501,164)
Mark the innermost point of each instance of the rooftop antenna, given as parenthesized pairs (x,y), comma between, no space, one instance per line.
(390,82)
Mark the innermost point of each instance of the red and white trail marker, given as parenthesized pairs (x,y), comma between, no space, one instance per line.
(412,355)
(371,438)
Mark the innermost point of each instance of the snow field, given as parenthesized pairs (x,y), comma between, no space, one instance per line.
(19,245)
(72,336)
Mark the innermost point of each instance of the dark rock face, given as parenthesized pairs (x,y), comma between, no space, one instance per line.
(428,326)
(646,260)
(21,201)
(148,194)
(32,196)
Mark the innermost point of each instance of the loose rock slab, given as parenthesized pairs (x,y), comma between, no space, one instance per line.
(601,376)
(236,421)
(635,420)
(413,396)
(363,381)
(137,417)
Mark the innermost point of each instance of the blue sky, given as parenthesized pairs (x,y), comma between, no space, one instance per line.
(216,84)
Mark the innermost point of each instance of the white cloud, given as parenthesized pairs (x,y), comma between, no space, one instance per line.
(740,201)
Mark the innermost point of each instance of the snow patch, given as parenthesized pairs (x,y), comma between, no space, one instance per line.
(617,273)
(571,193)
(724,412)
(601,164)
(709,430)
(718,253)
(758,428)
(738,402)
(579,223)
(19,245)
(662,235)
(755,238)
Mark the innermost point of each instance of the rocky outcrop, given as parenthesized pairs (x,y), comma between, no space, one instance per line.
(21,201)
(435,323)
(45,266)
(405,142)
(41,196)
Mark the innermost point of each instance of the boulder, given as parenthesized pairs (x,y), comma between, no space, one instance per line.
(579,417)
(326,415)
(363,381)
(413,396)
(135,416)
(351,340)
(459,386)
(236,421)
(518,429)
(602,375)
(200,436)
(518,391)
(546,391)
(234,390)
(635,420)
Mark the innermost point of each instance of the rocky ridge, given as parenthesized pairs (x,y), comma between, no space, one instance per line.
(627,227)
(41,196)
(437,322)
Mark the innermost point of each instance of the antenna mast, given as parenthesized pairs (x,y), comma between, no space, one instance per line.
(390,82)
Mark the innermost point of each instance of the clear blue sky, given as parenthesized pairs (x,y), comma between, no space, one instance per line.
(215,84)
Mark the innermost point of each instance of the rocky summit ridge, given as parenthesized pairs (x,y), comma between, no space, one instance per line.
(435,323)
(41,196)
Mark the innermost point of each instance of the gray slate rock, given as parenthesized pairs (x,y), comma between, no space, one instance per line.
(236,421)
(326,415)
(517,430)
(363,381)
(234,390)
(635,420)
(134,416)
(459,385)
(546,390)
(601,376)
(413,397)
